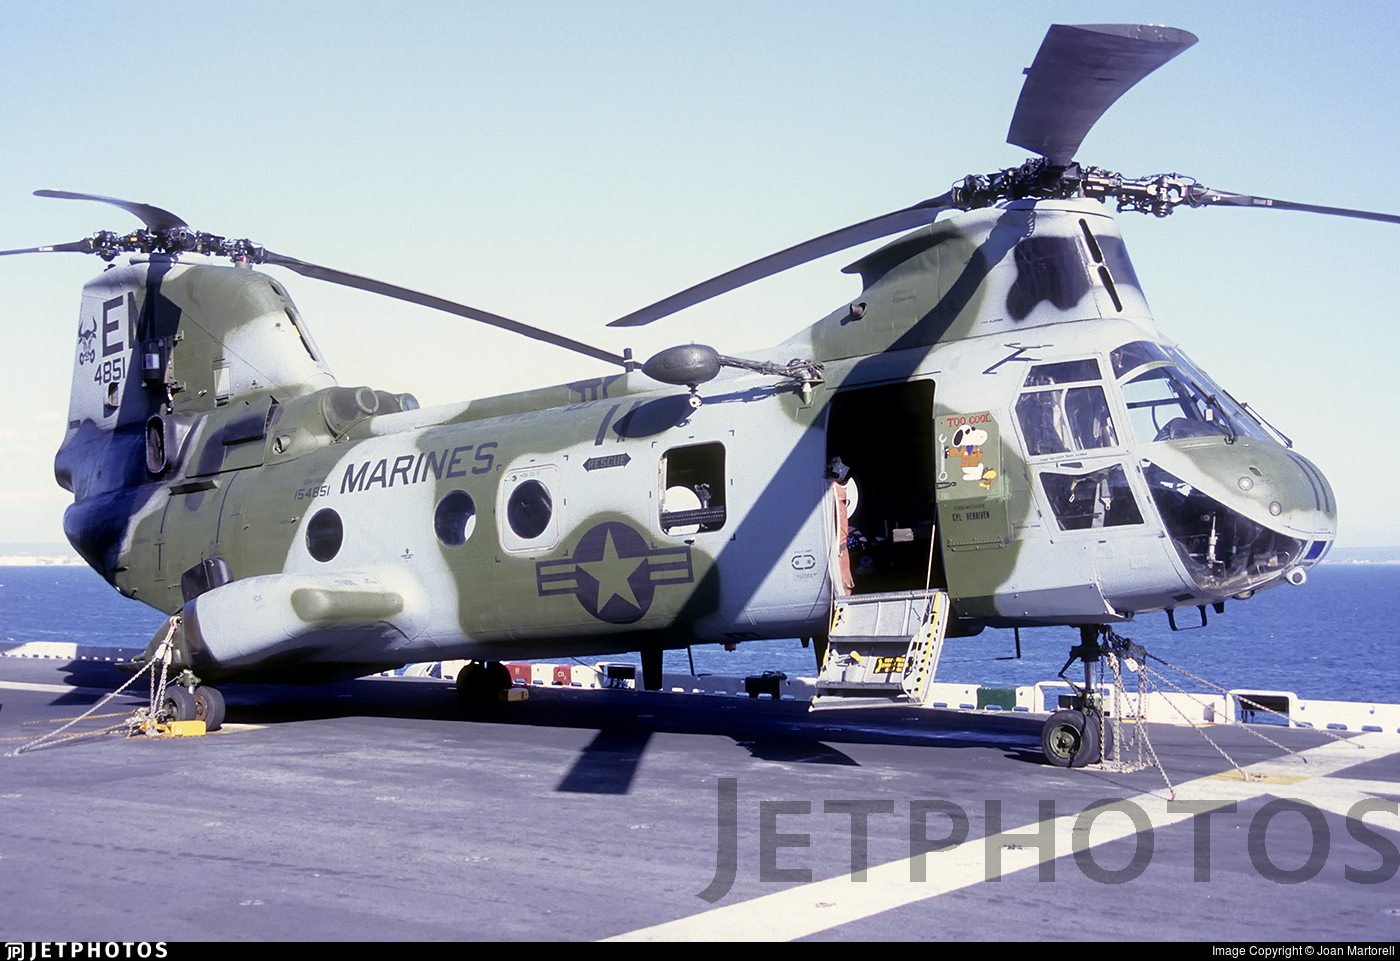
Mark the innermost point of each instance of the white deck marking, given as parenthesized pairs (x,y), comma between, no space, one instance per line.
(806,909)
(49,688)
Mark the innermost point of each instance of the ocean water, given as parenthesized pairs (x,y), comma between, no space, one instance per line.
(1334,638)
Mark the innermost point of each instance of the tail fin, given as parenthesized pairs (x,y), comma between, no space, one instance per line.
(162,343)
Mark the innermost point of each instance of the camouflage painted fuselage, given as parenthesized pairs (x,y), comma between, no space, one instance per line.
(1017,430)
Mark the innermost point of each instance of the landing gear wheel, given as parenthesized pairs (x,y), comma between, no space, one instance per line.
(179,704)
(499,676)
(1069,739)
(209,707)
(482,682)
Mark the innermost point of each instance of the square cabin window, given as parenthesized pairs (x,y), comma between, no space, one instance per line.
(692,489)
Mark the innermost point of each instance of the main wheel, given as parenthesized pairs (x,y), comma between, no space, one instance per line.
(180,704)
(1069,739)
(482,682)
(499,676)
(209,707)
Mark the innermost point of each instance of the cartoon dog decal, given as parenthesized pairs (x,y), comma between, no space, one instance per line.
(967,447)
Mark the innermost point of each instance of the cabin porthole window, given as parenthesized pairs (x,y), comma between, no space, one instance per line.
(324,535)
(529,509)
(455,519)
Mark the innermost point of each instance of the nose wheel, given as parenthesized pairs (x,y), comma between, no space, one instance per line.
(204,703)
(209,707)
(1071,739)
(1076,736)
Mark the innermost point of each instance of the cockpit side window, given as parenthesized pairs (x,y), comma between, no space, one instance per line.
(1069,372)
(1057,420)
(1098,499)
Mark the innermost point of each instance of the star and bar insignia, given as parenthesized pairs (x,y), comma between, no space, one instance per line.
(614,573)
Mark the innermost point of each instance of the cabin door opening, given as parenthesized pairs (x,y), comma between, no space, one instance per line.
(883,439)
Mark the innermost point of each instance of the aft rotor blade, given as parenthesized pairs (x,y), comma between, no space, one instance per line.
(83,246)
(1078,73)
(344,279)
(1206,197)
(153,217)
(873,229)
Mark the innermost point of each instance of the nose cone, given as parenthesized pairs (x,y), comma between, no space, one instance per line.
(1241,515)
(1312,505)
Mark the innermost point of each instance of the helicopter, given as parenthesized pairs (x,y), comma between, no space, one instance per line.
(995,416)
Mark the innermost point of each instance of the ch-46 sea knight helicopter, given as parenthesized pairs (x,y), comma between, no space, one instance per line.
(994,419)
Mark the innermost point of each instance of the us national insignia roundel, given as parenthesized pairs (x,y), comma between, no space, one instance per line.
(614,573)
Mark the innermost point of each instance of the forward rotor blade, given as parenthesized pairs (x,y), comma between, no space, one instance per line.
(83,246)
(153,217)
(344,279)
(1205,197)
(1078,73)
(873,229)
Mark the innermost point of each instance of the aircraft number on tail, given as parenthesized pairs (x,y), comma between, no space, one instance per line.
(109,370)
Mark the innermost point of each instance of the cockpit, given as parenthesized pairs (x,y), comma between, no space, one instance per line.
(1240,509)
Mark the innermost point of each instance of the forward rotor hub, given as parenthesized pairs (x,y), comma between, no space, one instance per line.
(174,240)
(1039,179)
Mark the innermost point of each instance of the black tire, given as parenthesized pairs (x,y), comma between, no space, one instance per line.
(481,682)
(499,677)
(179,704)
(471,683)
(209,707)
(1069,739)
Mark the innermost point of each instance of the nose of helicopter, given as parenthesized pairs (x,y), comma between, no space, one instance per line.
(1242,515)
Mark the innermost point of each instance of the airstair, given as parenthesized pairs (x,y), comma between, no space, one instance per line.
(883,648)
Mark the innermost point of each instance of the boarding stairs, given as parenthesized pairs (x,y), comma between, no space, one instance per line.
(883,648)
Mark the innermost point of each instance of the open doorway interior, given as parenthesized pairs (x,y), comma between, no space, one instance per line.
(881,439)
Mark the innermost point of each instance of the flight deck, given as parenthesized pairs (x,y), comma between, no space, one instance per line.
(384,809)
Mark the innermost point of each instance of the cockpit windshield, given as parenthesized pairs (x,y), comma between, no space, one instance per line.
(1137,354)
(1240,418)
(1169,398)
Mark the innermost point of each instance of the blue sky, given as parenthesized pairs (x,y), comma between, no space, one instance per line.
(565,163)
